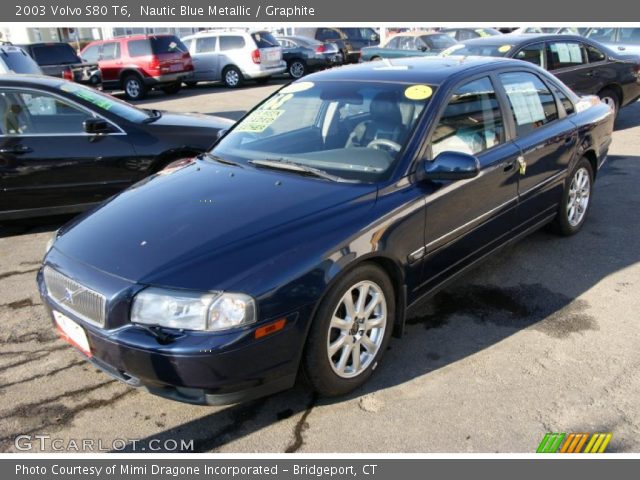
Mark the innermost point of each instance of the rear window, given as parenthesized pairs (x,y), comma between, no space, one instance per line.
(438,42)
(264,40)
(139,48)
(167,44)
(55,54)
(18,61)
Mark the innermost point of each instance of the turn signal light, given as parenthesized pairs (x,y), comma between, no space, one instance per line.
(270,328)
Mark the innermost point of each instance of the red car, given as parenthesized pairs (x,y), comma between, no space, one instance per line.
(138,63)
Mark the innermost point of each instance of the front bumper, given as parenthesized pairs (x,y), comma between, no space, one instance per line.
(193,367)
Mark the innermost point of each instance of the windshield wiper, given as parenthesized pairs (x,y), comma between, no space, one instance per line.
(282,164)
(153,115)
(218,159)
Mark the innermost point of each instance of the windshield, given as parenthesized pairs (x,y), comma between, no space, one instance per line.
(354,130)
(105,102)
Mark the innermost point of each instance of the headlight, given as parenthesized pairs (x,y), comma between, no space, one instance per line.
(186,310)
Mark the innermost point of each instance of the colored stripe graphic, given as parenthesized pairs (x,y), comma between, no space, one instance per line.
(573,443)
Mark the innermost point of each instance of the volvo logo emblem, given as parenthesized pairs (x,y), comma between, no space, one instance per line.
(69,294)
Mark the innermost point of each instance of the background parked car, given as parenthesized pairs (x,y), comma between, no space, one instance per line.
(587,67)
(64,146)
(462,34)
(15,60)
(409,44)
(59,59)
(348,40)
(548,30)
(140,62)
(304,55)
(623,40)
(234,56)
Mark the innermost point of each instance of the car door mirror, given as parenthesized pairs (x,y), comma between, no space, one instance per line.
(451,166)
(96,126)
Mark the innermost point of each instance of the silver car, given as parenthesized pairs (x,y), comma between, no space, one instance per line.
(623,40)
(234,56)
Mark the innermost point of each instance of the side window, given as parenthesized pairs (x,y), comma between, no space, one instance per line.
(564,54)
(465,35)
(139,48)
(472,121)
(594,55)
(532,53)
(532,104)
(228,42)
(187,43)
(110,51)
(393,43)
(602,34)
(630,35)
(91,54)
(567,104)
(327,34)
(206,45)
(30,113)
(407,43)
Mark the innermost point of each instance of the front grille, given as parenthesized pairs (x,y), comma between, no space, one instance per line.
(74,297)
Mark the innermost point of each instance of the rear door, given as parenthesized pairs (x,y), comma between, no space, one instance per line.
(48,161)
(568,61)
(110,60)
(468,217)
(547,139)
(206,60)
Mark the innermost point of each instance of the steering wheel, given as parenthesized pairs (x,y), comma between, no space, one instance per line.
(383,142)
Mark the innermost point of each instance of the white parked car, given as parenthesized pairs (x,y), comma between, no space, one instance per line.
(16,60)
(233,56)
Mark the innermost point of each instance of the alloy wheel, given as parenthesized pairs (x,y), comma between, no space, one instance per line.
(296,69)
(231,78)
(132,88)
(356,330)
(579,193)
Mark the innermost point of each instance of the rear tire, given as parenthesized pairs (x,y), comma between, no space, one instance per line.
(576,200)
(232,77)
(342,324)
(172,89)
(297,69)
(134,88)
(610,97)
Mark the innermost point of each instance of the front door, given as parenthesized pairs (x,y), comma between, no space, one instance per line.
(48,162)
(468,217)
(205,59)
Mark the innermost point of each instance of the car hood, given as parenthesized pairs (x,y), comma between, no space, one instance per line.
(169,119)
(205,217)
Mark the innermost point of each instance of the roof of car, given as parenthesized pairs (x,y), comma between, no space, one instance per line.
(429,70)
(298,37)
(517,38)
(22,78)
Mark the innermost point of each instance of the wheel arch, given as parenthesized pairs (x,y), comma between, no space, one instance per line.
(617,89)
(129,71)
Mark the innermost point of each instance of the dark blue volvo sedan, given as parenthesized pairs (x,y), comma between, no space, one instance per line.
(302,238)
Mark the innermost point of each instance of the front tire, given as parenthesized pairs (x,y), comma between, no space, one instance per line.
(576,199)
(350,331)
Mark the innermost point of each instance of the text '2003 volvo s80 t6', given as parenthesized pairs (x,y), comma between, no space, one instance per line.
(302,238)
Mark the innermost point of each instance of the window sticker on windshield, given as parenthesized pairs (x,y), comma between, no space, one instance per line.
(275,102)
(504,48)
(89,96)
(259,120)
(418,92)
(482,33)
(297,87)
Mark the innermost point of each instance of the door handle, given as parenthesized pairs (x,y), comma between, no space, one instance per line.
(16,149)
(508,167)
(592,73)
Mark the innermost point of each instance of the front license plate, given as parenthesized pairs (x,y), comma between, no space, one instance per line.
(72,333)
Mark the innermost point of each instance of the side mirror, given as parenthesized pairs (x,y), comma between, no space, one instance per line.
(423,48)
(451,166)
(96,126)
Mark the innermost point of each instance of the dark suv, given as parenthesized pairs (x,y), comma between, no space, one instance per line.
(349,40)
(59,59)
(138,63)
